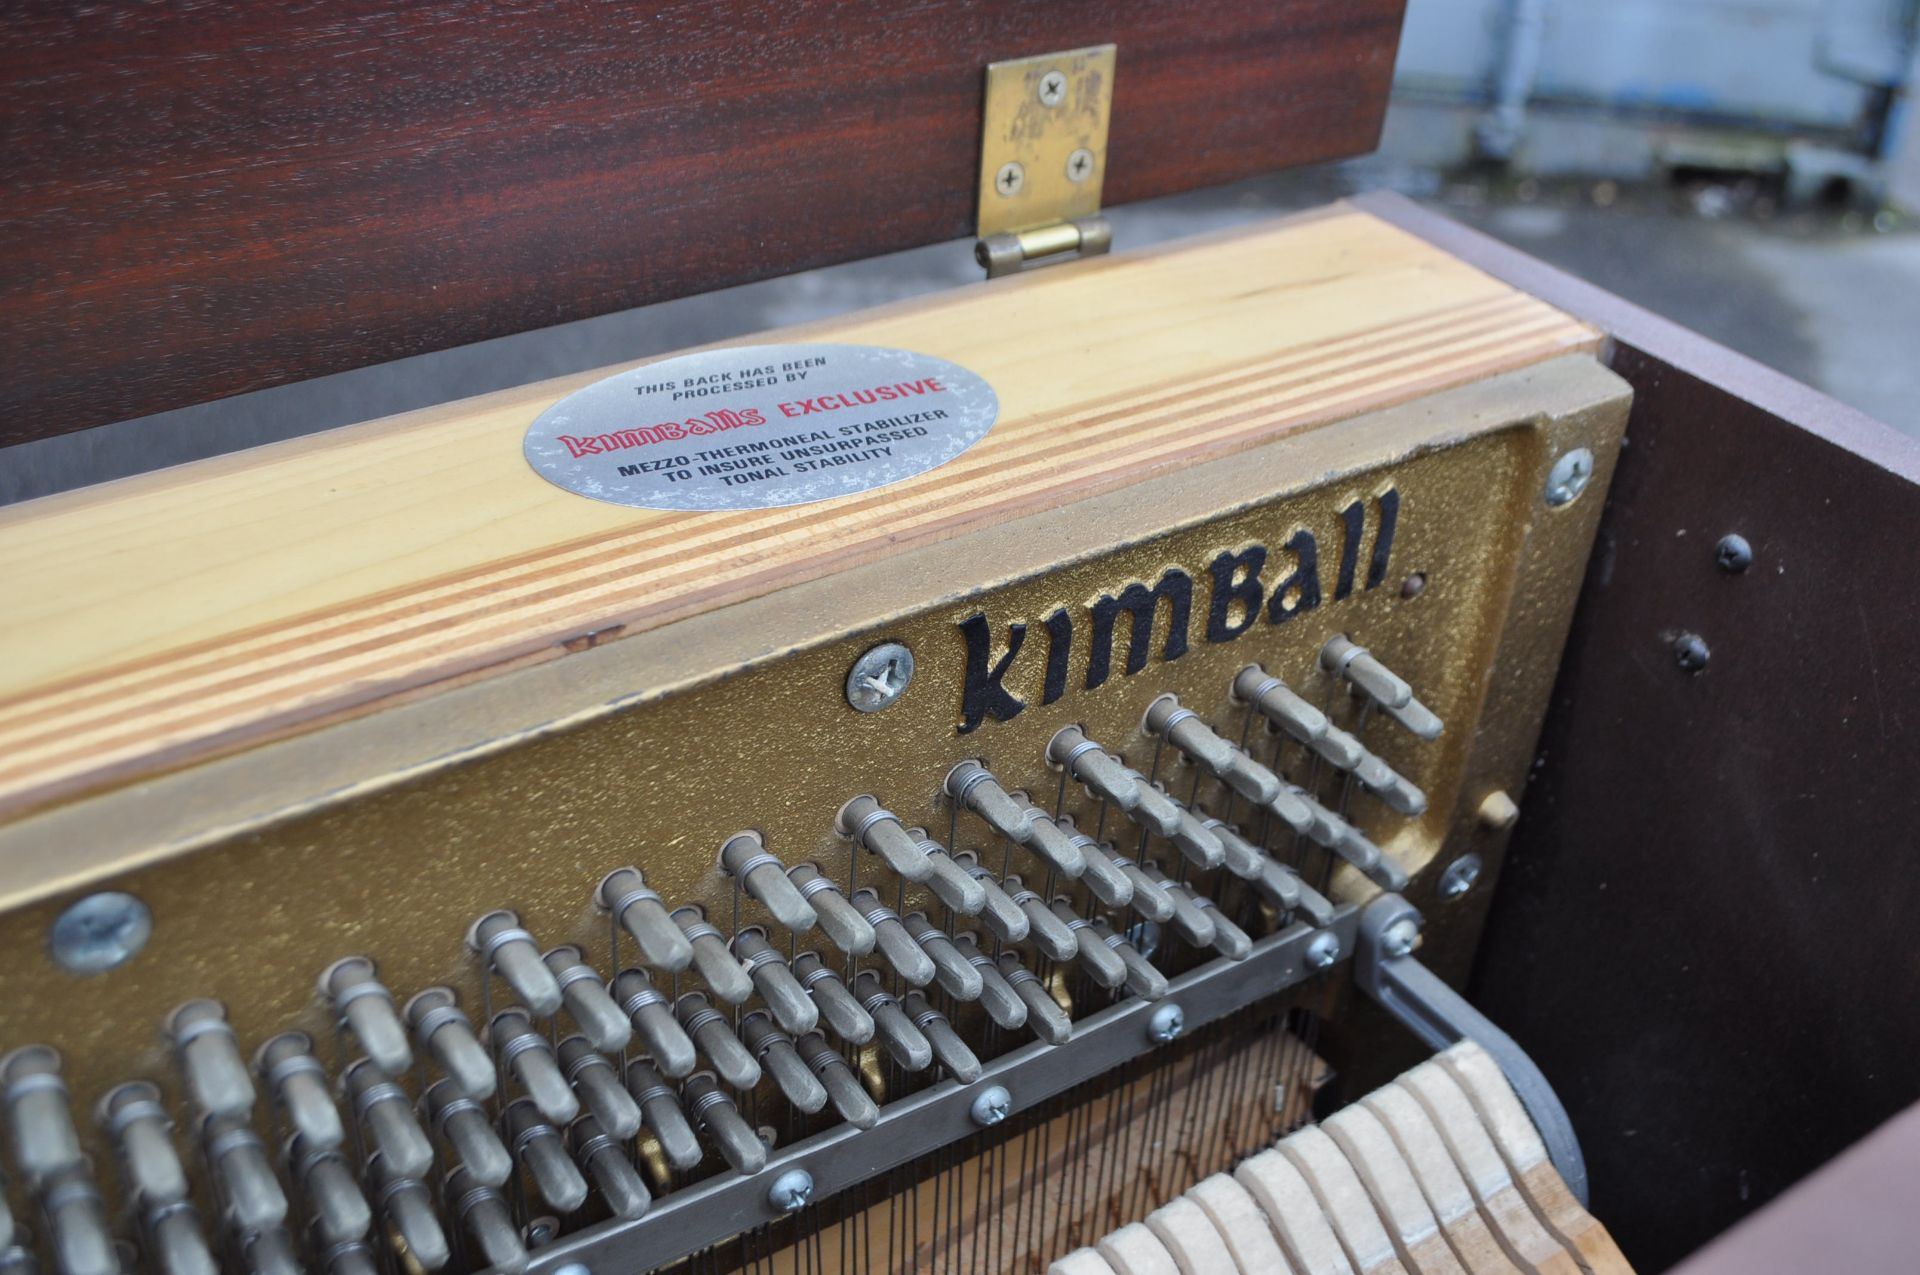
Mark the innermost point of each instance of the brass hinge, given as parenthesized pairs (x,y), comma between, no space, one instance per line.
(1043,159)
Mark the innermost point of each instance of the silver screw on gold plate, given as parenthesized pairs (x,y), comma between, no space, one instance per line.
(879,677)
(1053,88)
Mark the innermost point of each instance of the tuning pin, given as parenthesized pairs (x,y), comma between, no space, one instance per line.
(506,948)
(948,1049)
(1149,900)
(1279,884)
(1336,834)
(270,1252)
(77,1224)
(298,1083)
(891,1026)
(137,1126)
(654,1022)
(660,1108)
(587,1001)
(176,1243)
(355,1257)
(366,1005)
(447,1034)
(997,997)
(727,978)
(715,1111)
(709,1030)
(385,1112)
(1315,906)
(1242,858)
(764,878)
(1104,878)
(1045,1018)
(619,1182)
(1293,807)
(1197,842)
(407,1205)
(1101,963)
(838,919)
(974,787)
(1229,939)
(1000,914)
(777,1055)
(867,822)
(849,1096)
(1188,921)
(247,1182)
(466,1128)
(209,1059)
(1141,978)
(540,1150)
(778,987)
(1339,748)
(527,1056)
(950,883)
(1049,933)
(1344,657)
(1395,790)
(483,1211)
(892,941)
(837,1005)
(336,1209)
(641,913)
(1085,760)
(1280,705)
(951,969)
(45,1142)
(598,1085)
(1228,763)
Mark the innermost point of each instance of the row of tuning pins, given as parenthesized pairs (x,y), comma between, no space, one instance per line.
(574,1084)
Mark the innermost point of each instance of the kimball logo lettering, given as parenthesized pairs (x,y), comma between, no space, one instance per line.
(1246,584)
(717,421)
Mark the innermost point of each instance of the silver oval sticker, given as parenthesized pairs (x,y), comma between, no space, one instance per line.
(761,426)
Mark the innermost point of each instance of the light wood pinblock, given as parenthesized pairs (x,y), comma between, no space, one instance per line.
(163,619)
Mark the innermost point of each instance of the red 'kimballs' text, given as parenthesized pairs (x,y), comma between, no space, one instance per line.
(860,398)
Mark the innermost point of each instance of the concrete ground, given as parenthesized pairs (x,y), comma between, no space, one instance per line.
(1828,296)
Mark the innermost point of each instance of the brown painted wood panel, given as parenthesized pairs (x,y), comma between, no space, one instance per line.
(1703,930)
(206,198)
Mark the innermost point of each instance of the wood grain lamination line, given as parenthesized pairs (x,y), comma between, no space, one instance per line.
(187,671)
(206,696)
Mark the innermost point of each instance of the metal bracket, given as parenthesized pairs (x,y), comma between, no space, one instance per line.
(1043,159)
(1440,1017)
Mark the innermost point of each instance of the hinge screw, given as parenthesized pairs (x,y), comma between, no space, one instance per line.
(791,1191)
(1323,951)
(1398,939)
(1569,477)
(1080,165)
(1166,1025)
(1010,178)
(879,677)
(992,1105)
(1053,88)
